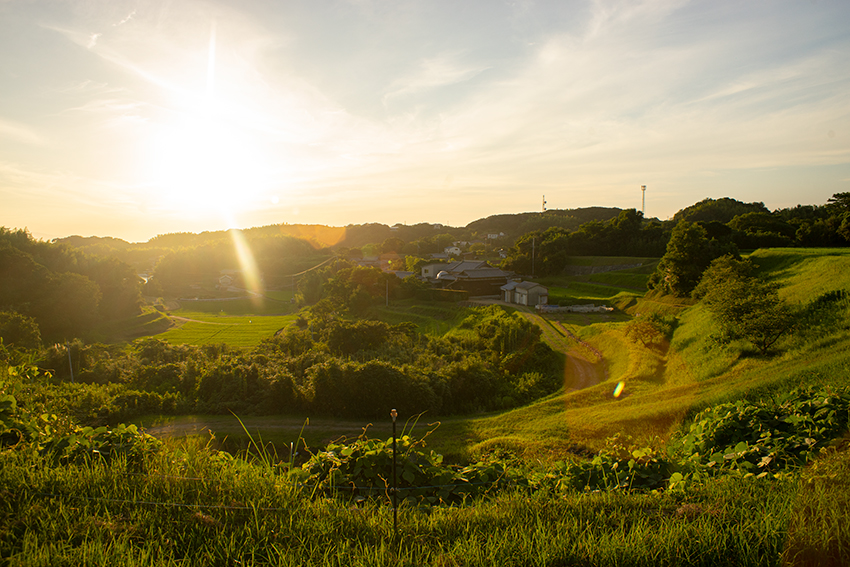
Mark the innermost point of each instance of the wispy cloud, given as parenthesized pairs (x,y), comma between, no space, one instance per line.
(432,73)
(367,105)
(19,132)
(129,17)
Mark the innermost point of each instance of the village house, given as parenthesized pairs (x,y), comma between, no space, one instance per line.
(525,293)
(477,277)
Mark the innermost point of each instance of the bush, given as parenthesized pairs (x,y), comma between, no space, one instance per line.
(767,436)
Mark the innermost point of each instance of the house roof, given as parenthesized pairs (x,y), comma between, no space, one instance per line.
(529,286)
(484,273)
(465,265)
(509,286)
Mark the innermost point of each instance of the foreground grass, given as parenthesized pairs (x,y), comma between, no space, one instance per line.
(191,506)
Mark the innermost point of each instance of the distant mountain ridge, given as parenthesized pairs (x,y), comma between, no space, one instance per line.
(512,225)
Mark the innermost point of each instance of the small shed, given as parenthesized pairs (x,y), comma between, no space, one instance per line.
(508,291)
(530,294)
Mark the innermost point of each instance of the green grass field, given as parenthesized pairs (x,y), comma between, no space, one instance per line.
(431,318)
(187,505)
(200,328)
(242,322)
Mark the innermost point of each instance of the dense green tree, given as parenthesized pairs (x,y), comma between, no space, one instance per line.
(720,210)
(652,330)
(309,289)
(761,230)
(839,202)
(689,252)
(391,245)
(514,225)
(744,307)
(19,331)
(549,250)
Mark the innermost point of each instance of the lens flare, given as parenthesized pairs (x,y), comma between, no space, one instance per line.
(251,274)
(619,389)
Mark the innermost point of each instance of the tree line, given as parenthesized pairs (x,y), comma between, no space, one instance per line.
(66,292)
(322,365)
(716,227)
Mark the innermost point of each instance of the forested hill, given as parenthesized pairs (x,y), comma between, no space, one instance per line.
(514,225)
(355,235)
(64,290)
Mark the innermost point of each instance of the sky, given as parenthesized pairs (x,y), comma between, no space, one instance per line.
(130,119)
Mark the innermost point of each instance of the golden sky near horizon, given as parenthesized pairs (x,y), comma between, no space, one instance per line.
(130,119)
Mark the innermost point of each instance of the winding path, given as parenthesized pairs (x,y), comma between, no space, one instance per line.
(584,366)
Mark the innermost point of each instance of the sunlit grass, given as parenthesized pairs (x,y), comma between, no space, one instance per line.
(189,506)
(662,389)
(805,273)
(47,520)
(200,328)
(272,303)
(431,317)
(818,530)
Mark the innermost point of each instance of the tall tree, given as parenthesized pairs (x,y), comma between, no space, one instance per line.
(745,307)
(689,252)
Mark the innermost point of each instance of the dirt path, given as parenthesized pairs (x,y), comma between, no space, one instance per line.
(279,430)
(179,320)
(584,365)
(269,425)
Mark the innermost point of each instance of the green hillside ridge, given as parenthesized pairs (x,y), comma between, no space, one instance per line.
(664,387)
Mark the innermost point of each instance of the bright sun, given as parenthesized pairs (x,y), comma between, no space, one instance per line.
(205,165)
(211,162)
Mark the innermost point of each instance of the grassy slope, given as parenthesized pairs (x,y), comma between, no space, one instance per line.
(240,322)
(664,387)
(189,507)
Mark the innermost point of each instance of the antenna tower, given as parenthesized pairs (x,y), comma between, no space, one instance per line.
(643,200)
(544,203)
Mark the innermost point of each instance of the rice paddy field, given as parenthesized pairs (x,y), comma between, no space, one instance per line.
(242,322)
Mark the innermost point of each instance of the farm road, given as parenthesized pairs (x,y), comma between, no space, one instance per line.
(579,370)
(187,320)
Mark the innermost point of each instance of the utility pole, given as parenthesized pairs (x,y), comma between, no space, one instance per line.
(394,414)
(533,247)
(70,364)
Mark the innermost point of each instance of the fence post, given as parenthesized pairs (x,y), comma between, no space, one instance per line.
(394,414)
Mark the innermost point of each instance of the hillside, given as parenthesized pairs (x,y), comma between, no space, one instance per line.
(664,386)
(581,477)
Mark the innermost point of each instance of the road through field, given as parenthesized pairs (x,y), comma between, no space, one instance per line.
(583,366)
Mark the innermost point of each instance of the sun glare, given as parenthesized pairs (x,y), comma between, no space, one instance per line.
(248,266)
(209,161)
(205,166)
